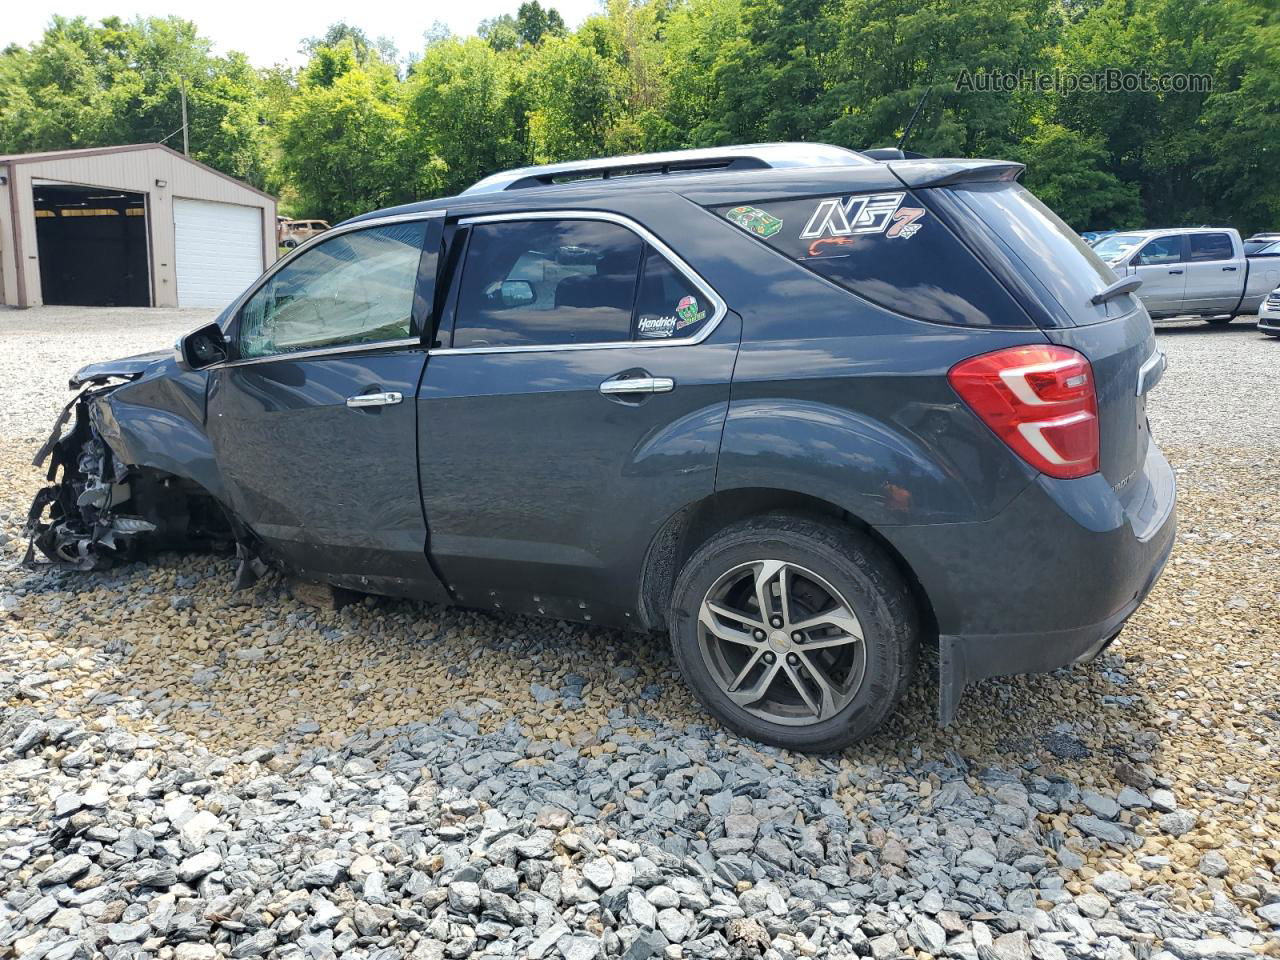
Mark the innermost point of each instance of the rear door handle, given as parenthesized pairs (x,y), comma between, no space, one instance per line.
(618,386)
(1175,271)
(1230,269)
(374,399)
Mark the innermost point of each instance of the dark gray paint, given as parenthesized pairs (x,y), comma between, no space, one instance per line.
(525,489)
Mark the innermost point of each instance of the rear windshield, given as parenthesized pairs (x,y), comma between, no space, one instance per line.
(886,248)
(1069,268)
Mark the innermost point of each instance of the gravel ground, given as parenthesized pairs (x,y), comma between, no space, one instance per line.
(189,773)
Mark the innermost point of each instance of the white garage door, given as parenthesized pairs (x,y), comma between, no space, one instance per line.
(219,251)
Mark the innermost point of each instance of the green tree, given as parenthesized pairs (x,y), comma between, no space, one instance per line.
(574,99)
(533,22)
(1243,117)
(500,32)
(695,39)
(888,53)
(1069,173)
(343,146)
(460,115)
(769,78)
(119,82)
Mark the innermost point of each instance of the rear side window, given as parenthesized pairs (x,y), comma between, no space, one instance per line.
(886,248)
(1210,246)
(543,282)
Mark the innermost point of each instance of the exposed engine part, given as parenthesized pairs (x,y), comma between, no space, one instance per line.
(98,510)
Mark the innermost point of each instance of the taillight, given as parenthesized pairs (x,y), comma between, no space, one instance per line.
(1040,401)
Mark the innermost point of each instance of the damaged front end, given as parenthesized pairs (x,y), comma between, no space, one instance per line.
(97,509)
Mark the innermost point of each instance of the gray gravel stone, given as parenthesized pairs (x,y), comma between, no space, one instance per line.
(1177,823)
(467,830)
(1100,806)
(1213,864)
(198,865)
(674,924)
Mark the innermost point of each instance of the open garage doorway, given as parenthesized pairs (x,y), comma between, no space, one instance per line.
(92,246)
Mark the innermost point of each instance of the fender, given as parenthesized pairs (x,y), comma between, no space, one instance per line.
(880,473)
(157,421)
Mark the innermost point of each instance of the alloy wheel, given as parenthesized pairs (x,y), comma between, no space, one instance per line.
(781,642)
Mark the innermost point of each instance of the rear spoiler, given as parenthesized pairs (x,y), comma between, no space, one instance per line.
(942,173)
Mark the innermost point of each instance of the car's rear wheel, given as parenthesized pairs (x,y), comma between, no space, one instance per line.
(794,632)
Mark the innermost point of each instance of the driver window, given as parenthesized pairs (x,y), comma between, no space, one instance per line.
(354,288)
(1161,250)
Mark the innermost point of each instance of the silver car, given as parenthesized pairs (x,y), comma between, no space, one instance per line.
(1201,272)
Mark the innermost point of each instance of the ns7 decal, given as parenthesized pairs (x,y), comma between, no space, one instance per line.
(855,215)
(861,216)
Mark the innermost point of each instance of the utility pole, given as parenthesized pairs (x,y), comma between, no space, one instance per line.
(186,141)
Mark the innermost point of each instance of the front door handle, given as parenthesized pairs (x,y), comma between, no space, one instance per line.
(618,386)
(374,399)
(1175,271)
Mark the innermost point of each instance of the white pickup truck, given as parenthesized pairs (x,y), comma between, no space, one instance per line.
(1201,272)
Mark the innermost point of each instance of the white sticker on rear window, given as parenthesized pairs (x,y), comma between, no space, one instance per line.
(852,216)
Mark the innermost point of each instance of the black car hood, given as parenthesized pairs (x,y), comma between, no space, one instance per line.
(128,367)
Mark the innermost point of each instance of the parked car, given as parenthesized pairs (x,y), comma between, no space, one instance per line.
(1091,237)
(1194,272)
(797,407)
(1269,314)
(1259,243)
(296,232)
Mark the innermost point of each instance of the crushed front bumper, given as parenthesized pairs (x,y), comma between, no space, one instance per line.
(76,520)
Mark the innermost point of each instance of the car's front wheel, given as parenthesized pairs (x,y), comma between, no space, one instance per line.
(794,631)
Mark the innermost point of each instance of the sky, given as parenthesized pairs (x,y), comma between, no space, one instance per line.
(270,32)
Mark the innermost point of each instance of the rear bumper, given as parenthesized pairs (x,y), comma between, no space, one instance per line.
(1048,582)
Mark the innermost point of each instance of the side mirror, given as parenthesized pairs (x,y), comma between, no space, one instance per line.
(517,293)
(202,348)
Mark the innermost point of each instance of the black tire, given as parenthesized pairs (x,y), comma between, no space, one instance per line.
(866,580)
(1218,321)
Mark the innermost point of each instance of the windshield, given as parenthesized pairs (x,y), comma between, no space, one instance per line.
(1117,245)
(1261,246)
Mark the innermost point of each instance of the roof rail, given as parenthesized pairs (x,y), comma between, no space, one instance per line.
(758,156)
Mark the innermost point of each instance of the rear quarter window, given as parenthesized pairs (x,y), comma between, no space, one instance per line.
(888,249)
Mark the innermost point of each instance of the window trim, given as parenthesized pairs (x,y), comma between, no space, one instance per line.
(720,307)
(231,330)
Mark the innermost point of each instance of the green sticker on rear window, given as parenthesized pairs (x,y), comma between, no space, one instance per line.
(756,220)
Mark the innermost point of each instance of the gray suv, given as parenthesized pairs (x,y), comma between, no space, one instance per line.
(801,408)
